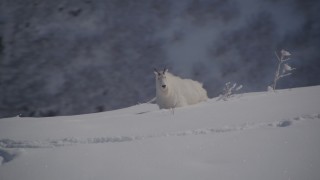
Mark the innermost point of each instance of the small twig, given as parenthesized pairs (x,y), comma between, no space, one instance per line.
(172,110)
(277,56)
(284,75)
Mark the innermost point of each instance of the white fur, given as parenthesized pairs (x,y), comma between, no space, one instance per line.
(178,92)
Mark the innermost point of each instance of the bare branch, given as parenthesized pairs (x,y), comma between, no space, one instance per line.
(285,60)
(284,75)
(277,56)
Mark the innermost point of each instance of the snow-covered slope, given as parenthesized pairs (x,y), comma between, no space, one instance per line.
(265,135)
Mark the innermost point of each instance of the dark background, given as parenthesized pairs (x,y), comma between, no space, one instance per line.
(67,57)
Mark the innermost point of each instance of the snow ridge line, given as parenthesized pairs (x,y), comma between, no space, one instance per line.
(8,143)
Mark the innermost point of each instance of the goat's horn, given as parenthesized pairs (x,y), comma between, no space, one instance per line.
(164,69)
(155,70)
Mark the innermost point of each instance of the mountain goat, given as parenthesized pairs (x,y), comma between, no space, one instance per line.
(172,91)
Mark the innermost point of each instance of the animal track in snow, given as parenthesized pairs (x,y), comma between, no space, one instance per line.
(284,123)
(8,143)
(7,156)
(289,122)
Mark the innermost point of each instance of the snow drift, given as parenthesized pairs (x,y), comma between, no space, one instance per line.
(265,135)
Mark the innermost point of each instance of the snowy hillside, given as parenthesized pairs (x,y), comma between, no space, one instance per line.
(265,135)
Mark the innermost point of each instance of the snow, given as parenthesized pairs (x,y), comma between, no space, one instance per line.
(262,135)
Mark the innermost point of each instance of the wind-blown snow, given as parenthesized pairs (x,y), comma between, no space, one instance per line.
(265,135)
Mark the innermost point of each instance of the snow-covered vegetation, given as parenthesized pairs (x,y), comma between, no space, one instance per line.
(256,136)
(283,69)
(229,90)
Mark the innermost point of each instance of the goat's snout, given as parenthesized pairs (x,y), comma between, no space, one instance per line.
(163,86)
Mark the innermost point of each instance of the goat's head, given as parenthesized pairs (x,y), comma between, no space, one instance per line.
(161,79)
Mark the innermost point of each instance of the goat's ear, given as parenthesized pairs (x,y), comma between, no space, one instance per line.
(155,71)
(165,70)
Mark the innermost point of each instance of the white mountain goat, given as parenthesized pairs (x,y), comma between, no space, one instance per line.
(172,91)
